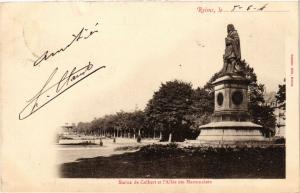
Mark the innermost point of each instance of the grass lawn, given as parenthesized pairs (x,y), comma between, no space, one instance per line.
(169,161)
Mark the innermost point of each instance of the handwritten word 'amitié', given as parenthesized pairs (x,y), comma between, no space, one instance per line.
(84,33)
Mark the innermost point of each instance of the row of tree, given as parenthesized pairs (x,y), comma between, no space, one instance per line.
(176,110)
(121,124)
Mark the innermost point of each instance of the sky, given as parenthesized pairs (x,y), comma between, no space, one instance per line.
(141,48)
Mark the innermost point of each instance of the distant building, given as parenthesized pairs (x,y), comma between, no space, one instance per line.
(67,130)
(279,113)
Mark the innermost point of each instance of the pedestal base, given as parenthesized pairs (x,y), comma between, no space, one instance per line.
(221,135)
(230,131)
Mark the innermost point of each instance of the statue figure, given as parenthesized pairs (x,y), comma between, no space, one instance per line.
(232,56)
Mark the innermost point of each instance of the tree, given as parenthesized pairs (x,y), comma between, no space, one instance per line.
(169,110)
(136,121)
(260,113)
(121,122)
(83,128)
(281,95)
(202,106)
(203,101)
(281,103)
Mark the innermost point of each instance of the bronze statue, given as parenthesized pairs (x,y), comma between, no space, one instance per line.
(232,56)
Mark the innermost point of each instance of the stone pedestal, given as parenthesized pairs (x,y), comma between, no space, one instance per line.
(230,131)
(231,120)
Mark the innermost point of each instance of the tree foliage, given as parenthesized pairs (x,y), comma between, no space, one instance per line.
(170,108)
(116,124)
(281,95)
(179,109)
(260,113)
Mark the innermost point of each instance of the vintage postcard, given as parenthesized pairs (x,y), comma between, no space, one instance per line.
(149,96)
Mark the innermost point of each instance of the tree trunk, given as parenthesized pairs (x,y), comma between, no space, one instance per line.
(170,137)
(160,135)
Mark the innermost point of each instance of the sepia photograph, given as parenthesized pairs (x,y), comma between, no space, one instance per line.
(231,127)
(149,96)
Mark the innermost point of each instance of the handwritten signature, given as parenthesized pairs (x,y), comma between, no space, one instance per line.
(84,33)
(48,93)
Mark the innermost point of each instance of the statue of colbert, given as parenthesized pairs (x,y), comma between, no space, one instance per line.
(232,56)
